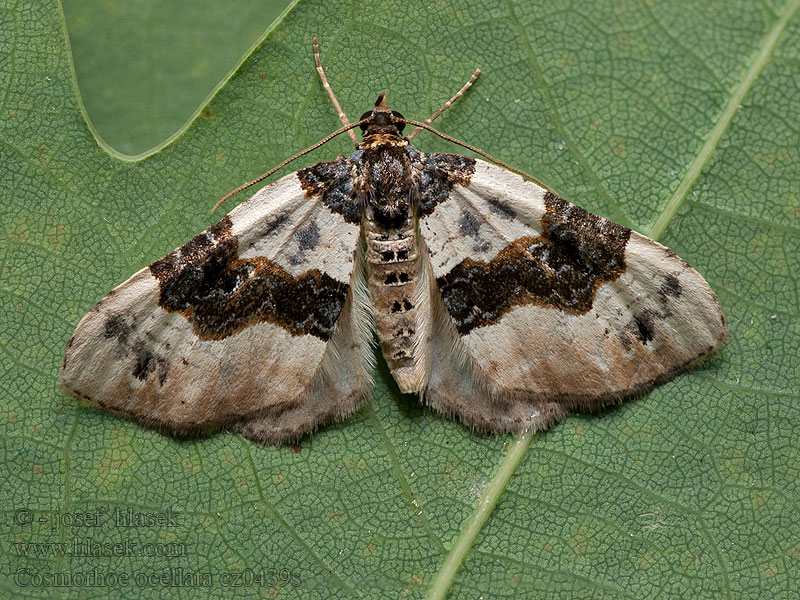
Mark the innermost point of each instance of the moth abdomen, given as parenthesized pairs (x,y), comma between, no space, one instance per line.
(393,275)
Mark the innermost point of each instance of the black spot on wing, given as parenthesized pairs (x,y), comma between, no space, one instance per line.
(117,327)
(671,287)
(468,225)
(501,209)
(643,327)
(222,294)
(308,237)
(144,365)
(148,363)
(561,269)
(276,224)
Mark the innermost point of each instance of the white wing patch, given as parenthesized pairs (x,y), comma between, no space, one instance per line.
(480,219)
(541,308)
(248,326)
(298,232)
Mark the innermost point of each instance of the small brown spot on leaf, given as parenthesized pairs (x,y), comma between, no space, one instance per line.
(580,543)
(55,239)
(19,233)
(617,147)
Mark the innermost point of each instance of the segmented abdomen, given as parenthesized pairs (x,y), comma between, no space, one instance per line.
(393,274)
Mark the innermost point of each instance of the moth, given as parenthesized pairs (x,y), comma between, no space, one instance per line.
(494,300)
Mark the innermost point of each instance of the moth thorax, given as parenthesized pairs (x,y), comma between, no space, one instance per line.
(388,185)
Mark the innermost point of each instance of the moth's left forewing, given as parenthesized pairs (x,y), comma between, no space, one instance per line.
(253,325)
(545,308)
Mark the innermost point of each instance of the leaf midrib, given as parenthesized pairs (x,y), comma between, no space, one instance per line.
(758,61)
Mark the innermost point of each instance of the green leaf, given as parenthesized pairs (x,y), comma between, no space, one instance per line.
(678,119)
(145,66)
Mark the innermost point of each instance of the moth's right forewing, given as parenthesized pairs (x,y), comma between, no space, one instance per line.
(240,323)
(541,308)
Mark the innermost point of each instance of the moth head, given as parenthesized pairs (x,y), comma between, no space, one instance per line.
(382,119)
